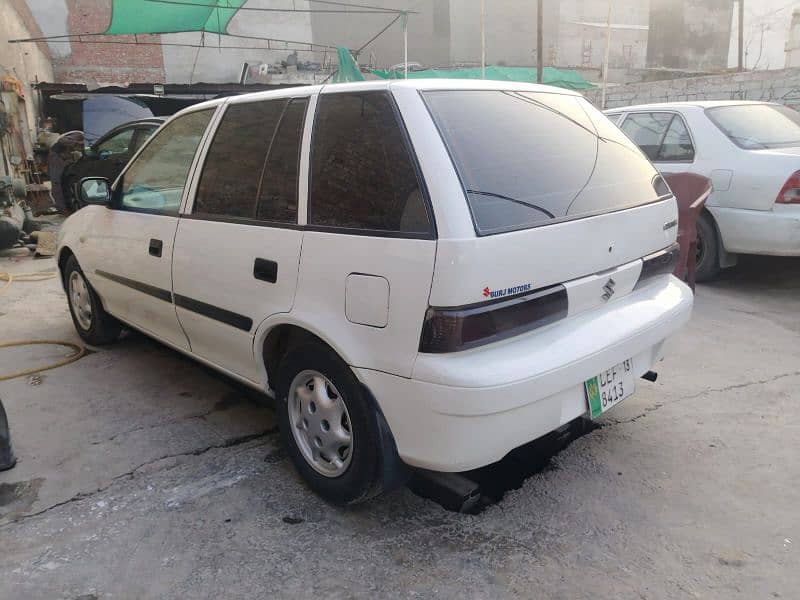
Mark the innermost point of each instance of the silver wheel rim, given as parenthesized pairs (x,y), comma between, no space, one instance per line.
(80,301)
(320,423)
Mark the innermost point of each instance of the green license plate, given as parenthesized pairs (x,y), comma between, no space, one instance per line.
(610,388)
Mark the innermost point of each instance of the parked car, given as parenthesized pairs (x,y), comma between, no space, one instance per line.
(107,156)
(751,153)
(427,273)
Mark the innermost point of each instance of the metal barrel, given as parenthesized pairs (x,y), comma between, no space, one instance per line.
(7,459)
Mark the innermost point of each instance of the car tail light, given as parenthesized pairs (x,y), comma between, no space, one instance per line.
(461,328)
(659,263)
(790,194)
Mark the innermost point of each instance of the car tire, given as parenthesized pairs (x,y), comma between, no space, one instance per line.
(707,266)
(92,322)
(73,199)
(313,420)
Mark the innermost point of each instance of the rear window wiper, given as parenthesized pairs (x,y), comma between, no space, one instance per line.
(515,200)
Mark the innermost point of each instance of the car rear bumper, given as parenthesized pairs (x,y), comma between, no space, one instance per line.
(465,410)
(774,232)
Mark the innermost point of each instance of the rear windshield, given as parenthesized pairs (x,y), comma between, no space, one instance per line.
(758,126)
(528,159)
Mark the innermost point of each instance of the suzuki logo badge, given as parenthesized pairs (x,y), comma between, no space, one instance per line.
(608,288)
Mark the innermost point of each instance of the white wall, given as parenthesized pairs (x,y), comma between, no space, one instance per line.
(215,66)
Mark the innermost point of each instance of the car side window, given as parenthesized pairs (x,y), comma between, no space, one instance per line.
(362,173)
(235,160)
(277,198)
(647,131)
(116,144)
(156,178)
(677,145)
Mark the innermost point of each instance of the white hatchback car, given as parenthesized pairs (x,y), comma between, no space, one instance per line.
(751,153)
(426,273)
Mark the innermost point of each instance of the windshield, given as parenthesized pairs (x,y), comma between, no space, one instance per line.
(528,159)
(758,126)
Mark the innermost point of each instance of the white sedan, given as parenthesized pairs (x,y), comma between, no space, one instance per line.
(751,153)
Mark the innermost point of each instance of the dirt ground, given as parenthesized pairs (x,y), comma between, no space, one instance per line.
(143,475)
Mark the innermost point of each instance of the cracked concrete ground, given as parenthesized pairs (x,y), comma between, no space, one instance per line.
(144,475)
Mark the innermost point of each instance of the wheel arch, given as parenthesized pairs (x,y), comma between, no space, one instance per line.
(275,337)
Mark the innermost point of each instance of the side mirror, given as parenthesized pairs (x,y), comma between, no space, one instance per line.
(90,152)
(95,190)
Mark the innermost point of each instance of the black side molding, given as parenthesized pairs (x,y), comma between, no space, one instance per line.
(201,308)
(150,290)
(214,312)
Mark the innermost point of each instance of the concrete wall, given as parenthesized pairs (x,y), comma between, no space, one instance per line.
(693,35)
(773,86)
(428,32)
(582,33)
(212,65)
(26,62)
(510,32)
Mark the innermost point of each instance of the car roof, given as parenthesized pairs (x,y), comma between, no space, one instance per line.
(697,105)
(385,84)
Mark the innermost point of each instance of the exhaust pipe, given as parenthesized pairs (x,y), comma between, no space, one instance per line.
(650,376)
(7,459)
(452,491)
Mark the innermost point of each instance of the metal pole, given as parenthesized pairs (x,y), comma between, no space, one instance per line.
(405,44)
(483,39)
(607,57)
(539,45)
(741,35)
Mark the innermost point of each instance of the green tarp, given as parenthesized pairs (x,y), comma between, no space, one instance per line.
(348,69)
(550,76)
(171,16)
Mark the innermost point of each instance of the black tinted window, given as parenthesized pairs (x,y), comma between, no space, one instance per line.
(362,175)
(529,158)
(647,130)
(278,197)
(229,182)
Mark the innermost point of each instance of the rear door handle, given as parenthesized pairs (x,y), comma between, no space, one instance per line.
(265,270)
(156,247)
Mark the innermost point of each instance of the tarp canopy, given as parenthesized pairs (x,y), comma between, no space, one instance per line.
(348,69)
(171,16)
(550,76)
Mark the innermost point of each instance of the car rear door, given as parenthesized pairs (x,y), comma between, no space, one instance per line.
(237,246)
(129,246)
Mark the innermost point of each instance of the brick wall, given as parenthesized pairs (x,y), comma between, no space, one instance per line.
(772,86)
(104,63)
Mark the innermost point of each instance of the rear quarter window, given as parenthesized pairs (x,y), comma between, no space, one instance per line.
(527,159)
(363,174)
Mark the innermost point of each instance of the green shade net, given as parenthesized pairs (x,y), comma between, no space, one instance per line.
(348,69)
(172,16)
(550,76)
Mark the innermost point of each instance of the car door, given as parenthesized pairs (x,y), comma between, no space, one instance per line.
(664,137)
(238,244)
(130,244)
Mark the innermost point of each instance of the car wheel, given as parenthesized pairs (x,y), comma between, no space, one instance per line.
(329,427)
(93,323)
(707,265)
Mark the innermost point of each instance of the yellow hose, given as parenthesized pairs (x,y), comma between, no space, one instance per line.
(9,278)
(79,351)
